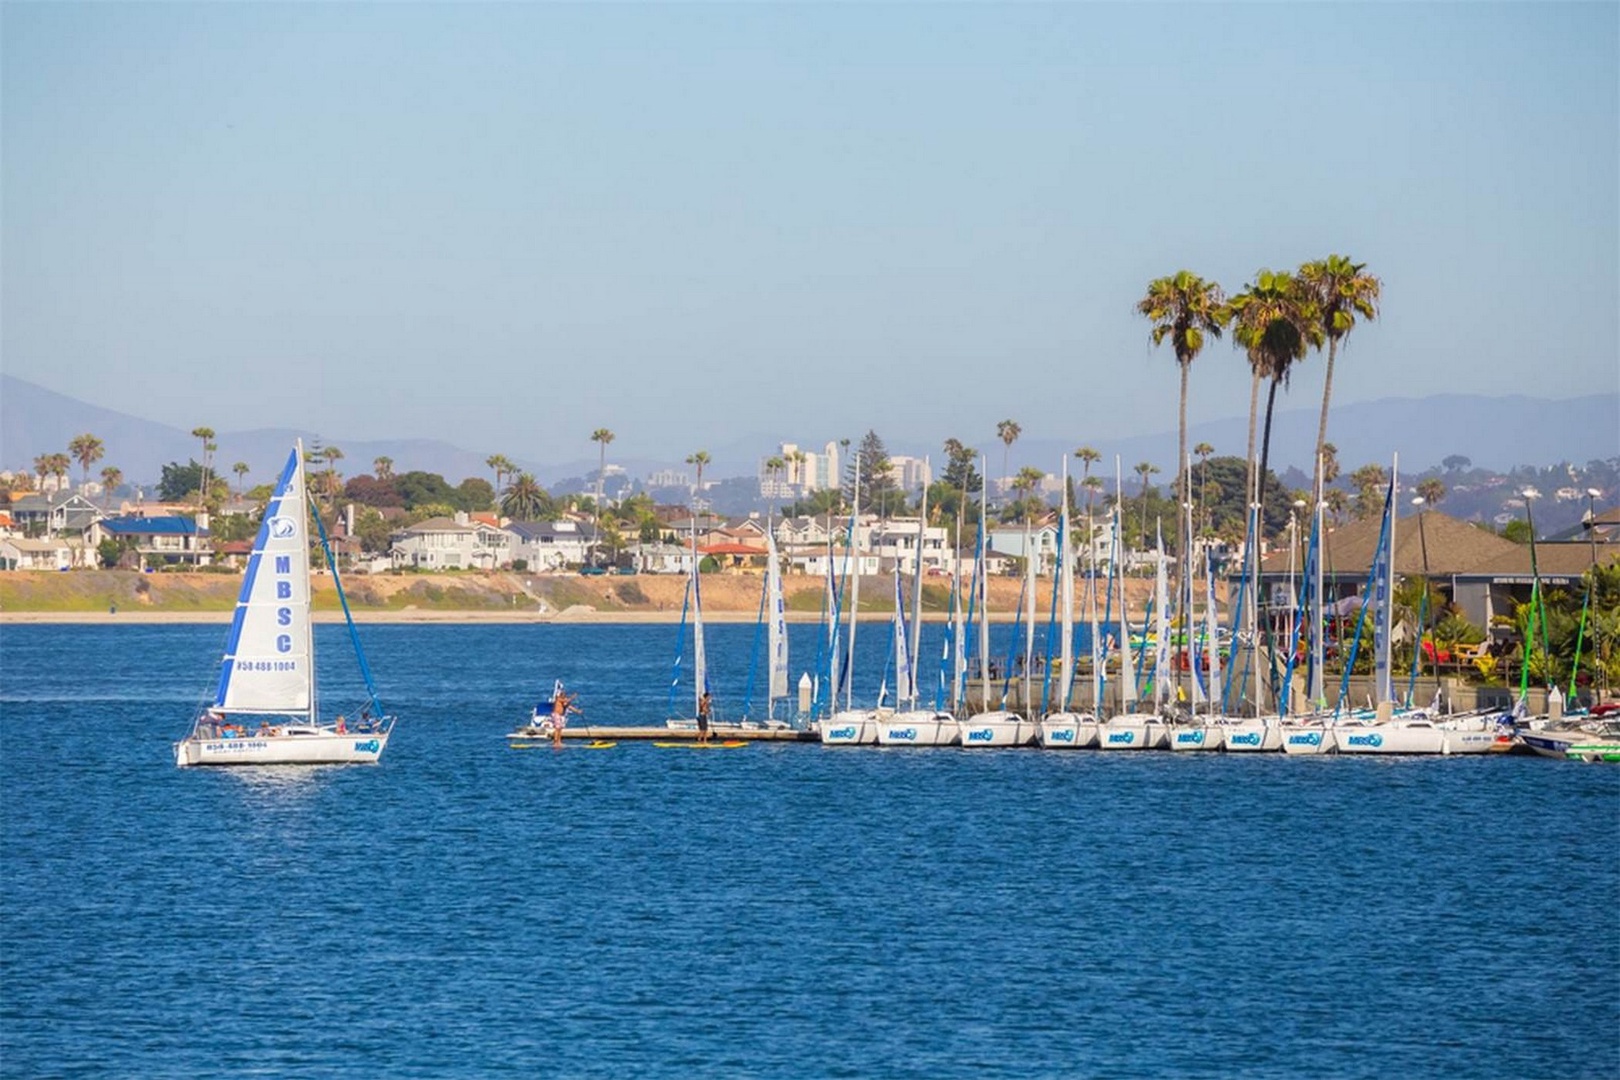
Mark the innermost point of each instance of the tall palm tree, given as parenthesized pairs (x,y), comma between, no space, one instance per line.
(699,458)
(501,465)
(1202,452)
(1184,308)
(241,469)
(773,469)
(1341,290)
(206,435)
(87,450)
(111,477)
(1432,490)
(601,436)
(1145,469)
(383,468)
(1276,325)
(332,456)
(1007,431)
(524,500)
(42,469)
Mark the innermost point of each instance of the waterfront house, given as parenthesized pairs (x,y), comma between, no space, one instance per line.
(57,514)
(23,553)
(551,545)
(157,541)
(895,542)
(660,558)
(442,543)
(1009,540)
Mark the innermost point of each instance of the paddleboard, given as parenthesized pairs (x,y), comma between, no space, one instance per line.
(731,744)
(600,744)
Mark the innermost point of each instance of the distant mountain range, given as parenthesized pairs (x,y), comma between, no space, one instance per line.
(1494,432)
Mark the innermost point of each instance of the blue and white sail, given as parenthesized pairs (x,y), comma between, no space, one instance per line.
(905,681)
(268,665)
(776,640)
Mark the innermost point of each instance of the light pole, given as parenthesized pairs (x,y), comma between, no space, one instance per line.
(1591,520)
(1530,495)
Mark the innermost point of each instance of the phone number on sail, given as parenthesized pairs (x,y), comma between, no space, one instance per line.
(267,665)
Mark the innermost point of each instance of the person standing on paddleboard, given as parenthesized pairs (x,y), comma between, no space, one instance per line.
(561,705)
(704,707)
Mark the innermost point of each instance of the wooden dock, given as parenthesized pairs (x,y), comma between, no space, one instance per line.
(610,732)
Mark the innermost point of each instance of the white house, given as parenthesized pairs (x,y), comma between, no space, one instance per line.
(895,542)
(551,545)
(444,544)
(660,558)
(18,553)
(1009,540)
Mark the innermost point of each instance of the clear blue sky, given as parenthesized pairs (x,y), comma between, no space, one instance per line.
(507,225)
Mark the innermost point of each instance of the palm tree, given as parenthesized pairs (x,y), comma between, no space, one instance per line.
(241,469)
(1432,491)
(1202,451)
(502,466)
(42,469)
(698,458)
(87,450)
(60,464)
(1184,308)
(1276,325)
(525,499)
(601,436)
(773,470)
(1145,469)
(1341,291)
(206,434)
(111,477)
(1007,431)
(383,468)
(332,455)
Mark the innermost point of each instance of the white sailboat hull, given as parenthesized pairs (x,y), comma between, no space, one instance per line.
(917,729)
(1197,737)
(322,746)
(1068,731)
(1132,731)
(996,729)
(851,728)
(1307,739)
(1391,738)
(1249,737)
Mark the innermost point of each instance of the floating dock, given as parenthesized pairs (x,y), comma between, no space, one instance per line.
(605,732)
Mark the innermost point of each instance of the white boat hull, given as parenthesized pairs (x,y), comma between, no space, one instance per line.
(325,748)
(1307,739)
(1068,731)
(1132,731)
(1244,737)
(996,729)
(1390,738)
(1197,737)
(917,729)
(849,729)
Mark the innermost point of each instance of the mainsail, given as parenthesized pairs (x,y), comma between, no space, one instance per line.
(776,625)
(269,655)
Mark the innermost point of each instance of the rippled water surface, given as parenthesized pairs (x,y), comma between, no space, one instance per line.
(466,909)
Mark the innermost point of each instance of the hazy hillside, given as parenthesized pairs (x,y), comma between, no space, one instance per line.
(1495,433)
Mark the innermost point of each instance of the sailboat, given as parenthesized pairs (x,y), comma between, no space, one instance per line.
(1062,729)
(264,709)
(692,603)
(1000,726)
(849,726)
(910,725)
(1132,729)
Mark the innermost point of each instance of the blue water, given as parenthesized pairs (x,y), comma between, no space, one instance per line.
(466,909)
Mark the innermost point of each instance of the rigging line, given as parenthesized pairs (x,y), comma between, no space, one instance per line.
(348,616)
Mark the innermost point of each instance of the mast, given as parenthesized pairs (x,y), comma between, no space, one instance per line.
(984,592)
(1029,612)
(1161,629)
(776,631)
(1386,589)
(1257,682)
(1091,604)
(700,669)
(958,644)
(1066,596)
(1317,615)
(916,594)
(855,589)
(1127,663)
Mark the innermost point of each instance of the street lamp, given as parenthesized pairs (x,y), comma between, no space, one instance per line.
(1591,520)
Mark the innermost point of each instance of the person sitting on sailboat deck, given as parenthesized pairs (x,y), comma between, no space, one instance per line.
(705,707)
(342,725)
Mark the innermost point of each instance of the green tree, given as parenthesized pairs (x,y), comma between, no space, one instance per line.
(1340,291)
(1145,469)
(1431,491)
(474,493)
(383,468)
(1370,482)
(206,436)
(502,467)
(111,477)
(1007,431)
(1184,309)
(177,481)
(373,530)
(417,488)
(525,500)
(1276,324)
(241,469)
(698,459)
(86,449)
